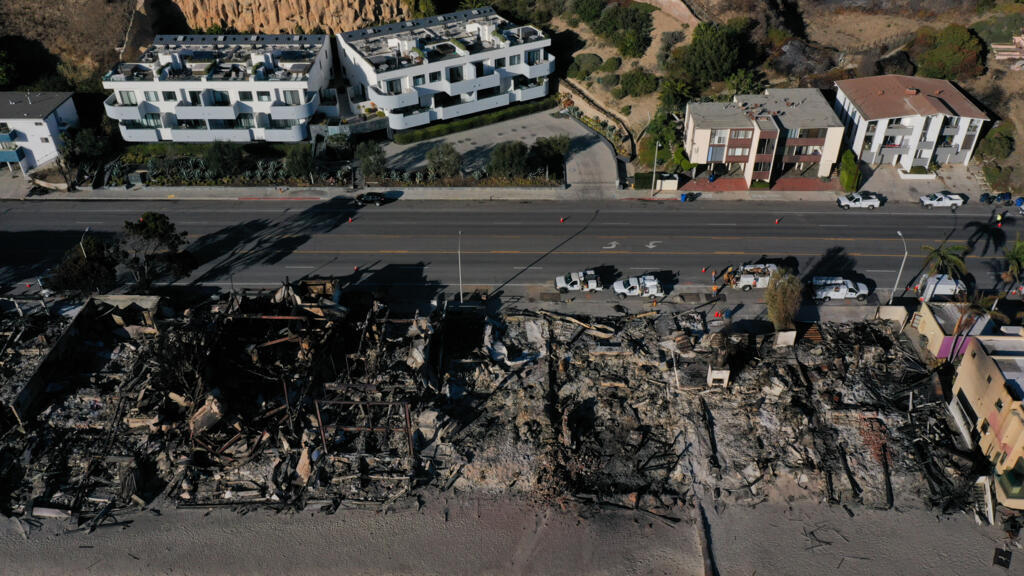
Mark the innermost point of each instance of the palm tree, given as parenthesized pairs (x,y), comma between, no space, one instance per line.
(971,307)
(946,259)
(1014,264)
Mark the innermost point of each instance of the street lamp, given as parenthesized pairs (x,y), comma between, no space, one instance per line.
(900,273)
(81,245)
(654,173)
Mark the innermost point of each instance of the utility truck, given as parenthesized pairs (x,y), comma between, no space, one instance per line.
(942,286)
(586,281)
(646,285)
(750,276)
(827,288)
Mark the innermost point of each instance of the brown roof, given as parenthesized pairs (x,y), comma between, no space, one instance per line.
(892,96)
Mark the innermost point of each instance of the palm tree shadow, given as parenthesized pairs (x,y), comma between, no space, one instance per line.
(987,233)
(548,253)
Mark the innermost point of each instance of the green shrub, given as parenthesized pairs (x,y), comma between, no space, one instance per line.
(760,185)
(918,170)
(444,161)
(590,10)
(611,65)
(849,171)
(583,65)
(299,162)
(626,110)
(783,297)
(953,53)
(476,121)
(638,82)
(371,157)
(998,177)
(508,159)
(609,80)
(998,143)
(618,93)
(627,26)
(223,158)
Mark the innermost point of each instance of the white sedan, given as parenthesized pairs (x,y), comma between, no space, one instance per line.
(942,200)
(859,200)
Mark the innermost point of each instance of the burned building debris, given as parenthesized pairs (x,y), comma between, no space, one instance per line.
(311,395)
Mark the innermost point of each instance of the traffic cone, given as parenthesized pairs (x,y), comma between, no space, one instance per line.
(777,220)
(349,219)
(718,314)
(703,269)
(561,220)
(355,268)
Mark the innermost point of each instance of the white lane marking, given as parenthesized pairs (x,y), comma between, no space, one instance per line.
(652,244)
(88,222)
(527,267)
(720,224)
(879,271)
(612,246)
(833,225)
(301,267)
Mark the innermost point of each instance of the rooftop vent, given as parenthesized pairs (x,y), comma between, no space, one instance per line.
(912,91)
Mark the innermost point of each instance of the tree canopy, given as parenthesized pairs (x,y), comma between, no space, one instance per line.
(508,159)
(444,161)
(149,245)
(372,159)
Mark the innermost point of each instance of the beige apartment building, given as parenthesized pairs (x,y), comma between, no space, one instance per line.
(761,137)
(986,408)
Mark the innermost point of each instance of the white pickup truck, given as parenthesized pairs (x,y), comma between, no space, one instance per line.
(941,286)
(868,200)
(827,288)
(586,281)
(751,276)
(942,200)
(646,285)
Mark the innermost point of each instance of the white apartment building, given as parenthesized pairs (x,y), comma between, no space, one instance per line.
(445,66)
(908,120)
(239,88)
(31,125)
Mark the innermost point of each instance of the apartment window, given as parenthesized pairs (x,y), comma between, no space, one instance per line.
(151,96)
(454,74)
(532,57)
(973,126)
(291,97)
(719,137)
(220,97)
(762,166)
(793,133)
(4,127)
(999,405)
(151,121)
(246,120)
(393,86)
(922,154)
(742,134)
(499,62)
(283,123)
(953,122)
(1002,458)
(812,133)
(739,151)
(984,427)
(245,96)
(435,76)
(894,122)
(513,60)
(764,146)
(195,97)
(127,97)
(170,96)
(263,96)
(418,80)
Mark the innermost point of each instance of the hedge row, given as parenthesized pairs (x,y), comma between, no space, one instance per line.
(485,119)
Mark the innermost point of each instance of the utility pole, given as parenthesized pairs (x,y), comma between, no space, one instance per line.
(81,245)
(460,266)
(900,273)
(654,167)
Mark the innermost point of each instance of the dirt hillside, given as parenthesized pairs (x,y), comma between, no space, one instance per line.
(273,16)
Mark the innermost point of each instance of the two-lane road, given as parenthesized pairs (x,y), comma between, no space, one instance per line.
(514,246)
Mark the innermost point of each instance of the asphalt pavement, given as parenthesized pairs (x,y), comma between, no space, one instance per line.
(515,248)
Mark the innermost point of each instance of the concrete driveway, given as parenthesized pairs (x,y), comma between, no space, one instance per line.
(590,168)
(957,179)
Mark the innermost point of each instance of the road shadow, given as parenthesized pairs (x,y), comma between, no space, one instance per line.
(554,249)
(405,288)
(668,280)
(35,253)
(607,273)
(836,262)
(989,234)
(224,253)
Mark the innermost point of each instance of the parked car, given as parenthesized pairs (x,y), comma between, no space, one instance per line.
(942,200)
(987,198)
(375,198)
(868,200)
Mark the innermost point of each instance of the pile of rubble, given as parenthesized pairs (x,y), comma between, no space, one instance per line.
(314,395)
